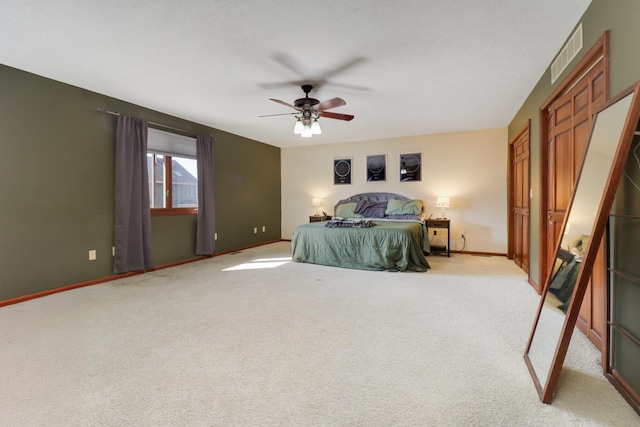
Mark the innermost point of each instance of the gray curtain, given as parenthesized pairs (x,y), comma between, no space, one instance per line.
(132,213)
(205,241)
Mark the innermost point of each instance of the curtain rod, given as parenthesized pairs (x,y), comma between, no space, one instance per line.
(115,113)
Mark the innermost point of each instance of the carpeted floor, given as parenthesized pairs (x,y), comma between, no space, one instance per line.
(250,339)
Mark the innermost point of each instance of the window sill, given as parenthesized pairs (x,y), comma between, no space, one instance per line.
(174,211)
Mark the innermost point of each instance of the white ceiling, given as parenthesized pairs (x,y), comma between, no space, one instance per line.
(407,67)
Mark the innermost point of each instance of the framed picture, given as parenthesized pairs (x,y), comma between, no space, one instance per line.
(342,171)
(410,167)
(377,168)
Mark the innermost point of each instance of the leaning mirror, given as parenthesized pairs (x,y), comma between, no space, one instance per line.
(611,135)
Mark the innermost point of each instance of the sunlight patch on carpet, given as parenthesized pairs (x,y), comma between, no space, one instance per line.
(260,264)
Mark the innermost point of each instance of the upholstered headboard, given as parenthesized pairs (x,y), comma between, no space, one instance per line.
(373,197)
(377,206)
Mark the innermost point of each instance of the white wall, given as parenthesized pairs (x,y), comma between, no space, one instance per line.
(469,167)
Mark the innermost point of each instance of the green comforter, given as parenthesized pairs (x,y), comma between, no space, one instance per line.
(389,246)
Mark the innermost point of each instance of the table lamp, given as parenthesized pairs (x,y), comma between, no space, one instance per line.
(442,202)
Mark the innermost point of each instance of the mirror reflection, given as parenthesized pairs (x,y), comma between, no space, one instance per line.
(575,239)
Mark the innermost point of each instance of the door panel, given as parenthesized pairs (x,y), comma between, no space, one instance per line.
(520,209)
(561,179)
(570,120)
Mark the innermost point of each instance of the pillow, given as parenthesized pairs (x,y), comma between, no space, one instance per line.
(346,210)
(404,207)
(369,209)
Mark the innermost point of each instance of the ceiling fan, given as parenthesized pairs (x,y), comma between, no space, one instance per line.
(308,111)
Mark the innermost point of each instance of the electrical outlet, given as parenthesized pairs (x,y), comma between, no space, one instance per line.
(264,228)
(215,236)
(113,251)
(92,255)
(435,232)
(255,230)
(462,234)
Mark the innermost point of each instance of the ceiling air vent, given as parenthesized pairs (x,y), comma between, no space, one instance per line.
(568,52)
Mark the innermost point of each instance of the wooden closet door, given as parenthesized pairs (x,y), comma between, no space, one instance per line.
(570,120)
(593,311)
(520,210)
(561,169)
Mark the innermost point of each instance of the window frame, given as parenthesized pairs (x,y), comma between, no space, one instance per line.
(168,190)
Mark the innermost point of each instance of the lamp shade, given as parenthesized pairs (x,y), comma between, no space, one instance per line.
(297,129)
(316,202)
(315,127)
(442,202)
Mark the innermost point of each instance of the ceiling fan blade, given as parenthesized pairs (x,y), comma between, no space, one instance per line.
(290,83)
(285,103)
(329,104)
(340,68)
(317,81)
(289,63)
(348,86)
(281,114)
(330,115)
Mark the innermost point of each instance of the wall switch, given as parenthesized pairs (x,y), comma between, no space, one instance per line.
(113,251)
(215,236)
(264,228)
(255,230)
(92,255)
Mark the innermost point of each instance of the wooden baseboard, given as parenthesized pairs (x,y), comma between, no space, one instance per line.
(479,253)
(28,297)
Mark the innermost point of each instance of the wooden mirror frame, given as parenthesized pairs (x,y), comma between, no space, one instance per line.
(546,391)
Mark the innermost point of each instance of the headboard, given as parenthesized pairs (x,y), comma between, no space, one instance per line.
(374,197)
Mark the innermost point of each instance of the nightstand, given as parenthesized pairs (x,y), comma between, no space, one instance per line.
(318,218)
(442,223)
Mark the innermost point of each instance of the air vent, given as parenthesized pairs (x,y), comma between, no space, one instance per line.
(568,52)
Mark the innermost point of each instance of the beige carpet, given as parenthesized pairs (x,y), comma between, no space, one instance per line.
(275,343)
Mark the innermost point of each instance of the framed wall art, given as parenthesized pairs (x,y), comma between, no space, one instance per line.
(377,168)
(410,167)
(342,171)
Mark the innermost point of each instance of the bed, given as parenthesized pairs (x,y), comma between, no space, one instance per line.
(389,235)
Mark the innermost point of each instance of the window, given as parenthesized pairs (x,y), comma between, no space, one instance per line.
(172,174)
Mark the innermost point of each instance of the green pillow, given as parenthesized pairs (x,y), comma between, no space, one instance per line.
(403,207)
(346,210)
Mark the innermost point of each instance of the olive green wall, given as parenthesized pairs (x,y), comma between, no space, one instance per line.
(57,186)
(620,17)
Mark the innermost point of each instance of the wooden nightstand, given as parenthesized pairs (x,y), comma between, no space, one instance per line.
(318,218)
(442,223)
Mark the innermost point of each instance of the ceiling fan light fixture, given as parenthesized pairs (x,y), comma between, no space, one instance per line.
(315,127)
(309,110)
